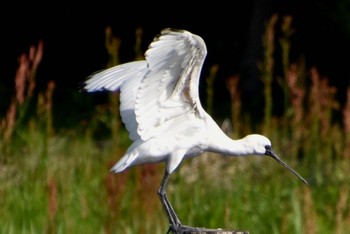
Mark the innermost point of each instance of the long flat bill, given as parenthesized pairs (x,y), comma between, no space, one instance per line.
(274,156)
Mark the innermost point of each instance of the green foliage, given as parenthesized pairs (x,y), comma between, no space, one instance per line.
(59,182)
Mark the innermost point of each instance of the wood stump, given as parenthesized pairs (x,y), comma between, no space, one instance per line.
(195,230)
(216,231)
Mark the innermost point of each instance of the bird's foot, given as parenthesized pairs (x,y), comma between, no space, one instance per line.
(180,229)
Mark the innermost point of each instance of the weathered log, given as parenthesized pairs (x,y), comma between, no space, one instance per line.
(197,230)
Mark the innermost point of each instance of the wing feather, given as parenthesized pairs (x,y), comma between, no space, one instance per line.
(112,78)
(124,78)
(170,87)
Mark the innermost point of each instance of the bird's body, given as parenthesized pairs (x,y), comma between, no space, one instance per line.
(180,142)
(161,110)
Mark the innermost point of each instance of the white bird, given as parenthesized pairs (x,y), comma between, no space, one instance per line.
(160,107)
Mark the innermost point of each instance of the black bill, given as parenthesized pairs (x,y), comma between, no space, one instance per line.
(269,152)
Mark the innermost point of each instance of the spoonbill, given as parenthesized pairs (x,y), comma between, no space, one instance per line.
(161,109)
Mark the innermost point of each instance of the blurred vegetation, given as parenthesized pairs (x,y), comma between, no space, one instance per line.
(58,181)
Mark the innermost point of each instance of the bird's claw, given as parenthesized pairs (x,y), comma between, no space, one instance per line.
(179,229)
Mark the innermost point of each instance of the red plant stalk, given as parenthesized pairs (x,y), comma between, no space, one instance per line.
(24,87)
(323,100)
(346,122)
(232,86)
(297,94)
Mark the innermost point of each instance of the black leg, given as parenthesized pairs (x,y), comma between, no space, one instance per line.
(174,221)
(175,225)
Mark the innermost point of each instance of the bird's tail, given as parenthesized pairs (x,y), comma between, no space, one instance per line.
(125,162)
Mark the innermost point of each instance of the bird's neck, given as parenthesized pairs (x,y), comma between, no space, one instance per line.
(219,142)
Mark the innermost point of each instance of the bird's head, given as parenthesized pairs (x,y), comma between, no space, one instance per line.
(261,145)
(257,143)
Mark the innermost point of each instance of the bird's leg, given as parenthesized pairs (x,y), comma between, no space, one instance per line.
(174,221)
(172,217)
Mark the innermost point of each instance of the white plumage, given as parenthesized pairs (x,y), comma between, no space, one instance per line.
(161,110)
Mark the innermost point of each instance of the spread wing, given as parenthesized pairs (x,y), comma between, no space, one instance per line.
(159,89)
(170,87)
(124,78)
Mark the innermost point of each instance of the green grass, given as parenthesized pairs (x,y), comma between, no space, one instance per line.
(74,192)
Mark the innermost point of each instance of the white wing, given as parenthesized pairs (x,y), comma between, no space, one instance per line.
(159,89)
(112,78)
(124,78)
(170,87)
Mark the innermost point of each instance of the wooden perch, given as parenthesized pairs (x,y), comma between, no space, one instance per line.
(216,231)
(195,230)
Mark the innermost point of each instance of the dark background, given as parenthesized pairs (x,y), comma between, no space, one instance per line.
(73,36)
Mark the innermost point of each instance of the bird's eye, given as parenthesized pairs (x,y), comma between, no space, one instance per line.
(268,149)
